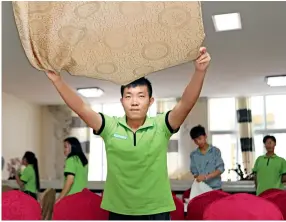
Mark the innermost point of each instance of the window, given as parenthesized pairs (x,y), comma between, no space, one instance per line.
(223,133)
(222,114)
(268,114)
(227,143)
(275,111)
(95,163)
(280,144)
(257,110)
(258,145)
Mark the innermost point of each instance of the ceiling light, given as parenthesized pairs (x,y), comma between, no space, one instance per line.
(274,81)
(90,92)
(226,22)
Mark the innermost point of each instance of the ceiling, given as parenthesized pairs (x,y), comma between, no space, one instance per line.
(240,59)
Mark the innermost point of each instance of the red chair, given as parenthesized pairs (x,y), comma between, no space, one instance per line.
(179,213)
(186,195)
(197,205)
(96,205)
(80,206)
(242,206)
(268,192)
(16,205)
(279,199)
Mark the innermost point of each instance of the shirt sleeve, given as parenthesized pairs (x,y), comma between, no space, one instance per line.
(26,175)
(255,168)
(283,167)
(219,164)
(70,167)
(107,126)
(193,167)
(163,122)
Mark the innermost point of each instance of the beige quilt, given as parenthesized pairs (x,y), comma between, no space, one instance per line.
(113,41)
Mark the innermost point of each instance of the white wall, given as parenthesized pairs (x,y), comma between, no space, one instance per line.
(21,128)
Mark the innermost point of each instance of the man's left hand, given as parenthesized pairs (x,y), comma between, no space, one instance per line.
(203,61)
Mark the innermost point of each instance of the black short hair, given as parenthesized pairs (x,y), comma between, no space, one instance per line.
(139,82)
(268,137)
(197,131)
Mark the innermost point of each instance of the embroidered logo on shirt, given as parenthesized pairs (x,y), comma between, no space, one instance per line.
(119,136)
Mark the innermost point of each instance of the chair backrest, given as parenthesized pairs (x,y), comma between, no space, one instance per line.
(88,209)
(6,188)
(197,205)
(179,213)
(16,205)
(242,206)
(269,192)
(279,199)
(96,200)
(69,208)
(186,195)
(47,201)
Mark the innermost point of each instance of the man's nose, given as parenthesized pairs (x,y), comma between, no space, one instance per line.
(134,102)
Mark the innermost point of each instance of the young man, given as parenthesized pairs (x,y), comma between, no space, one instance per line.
(269,169)
(206,162)
(137,185)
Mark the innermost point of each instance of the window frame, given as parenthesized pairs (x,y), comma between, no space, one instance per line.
(267,131)
(234,132)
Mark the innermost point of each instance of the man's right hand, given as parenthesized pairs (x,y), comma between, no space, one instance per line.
(53,76)
(201,178)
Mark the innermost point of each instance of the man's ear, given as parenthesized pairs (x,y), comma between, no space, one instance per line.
(151,101)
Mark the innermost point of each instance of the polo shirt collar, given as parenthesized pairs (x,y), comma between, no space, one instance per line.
(148,123)
(210,148)
(273,156)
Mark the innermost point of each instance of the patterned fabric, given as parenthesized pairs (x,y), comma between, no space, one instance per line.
(16,205)
(244,119)
(114,41)
(242,207)
(197,205)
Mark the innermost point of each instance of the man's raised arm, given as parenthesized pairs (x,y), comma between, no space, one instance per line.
(75,102)
(192,92)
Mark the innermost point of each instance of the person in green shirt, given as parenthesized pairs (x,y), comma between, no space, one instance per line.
(137,186)
(29,179)
(76,168)
(269,169)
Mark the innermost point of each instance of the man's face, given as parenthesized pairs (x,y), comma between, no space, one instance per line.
(201,141)
(270,145)
(136,102)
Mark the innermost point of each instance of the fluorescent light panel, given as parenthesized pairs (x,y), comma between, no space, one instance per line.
(90,92)
(227,22)
(275,81)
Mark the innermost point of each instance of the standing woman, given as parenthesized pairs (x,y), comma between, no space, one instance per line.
(29,179)
(76,170)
